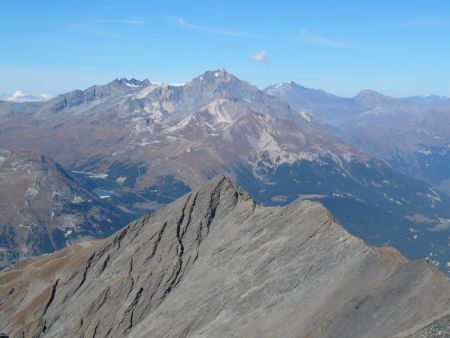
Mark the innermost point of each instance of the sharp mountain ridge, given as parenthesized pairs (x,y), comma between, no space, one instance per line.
(145,144)
(214,263)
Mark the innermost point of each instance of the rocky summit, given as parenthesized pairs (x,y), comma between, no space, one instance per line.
(142,144)
(215,264)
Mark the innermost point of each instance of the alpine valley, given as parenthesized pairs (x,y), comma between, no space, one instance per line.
(140,145)
(411,134)
(42,208)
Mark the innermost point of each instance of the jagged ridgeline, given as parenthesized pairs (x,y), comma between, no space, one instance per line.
(139,145)
(214,263)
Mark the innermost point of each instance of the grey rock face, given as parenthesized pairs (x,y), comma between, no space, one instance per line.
(439,328)
(215,264)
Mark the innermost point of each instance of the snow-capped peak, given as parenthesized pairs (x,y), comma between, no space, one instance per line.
(282,84)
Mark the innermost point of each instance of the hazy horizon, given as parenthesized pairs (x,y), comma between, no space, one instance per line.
(398,49)
(46,96)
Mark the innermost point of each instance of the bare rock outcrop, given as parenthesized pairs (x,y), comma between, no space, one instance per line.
(215,264)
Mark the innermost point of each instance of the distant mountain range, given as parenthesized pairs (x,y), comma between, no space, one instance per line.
(140,145)
(411,134)
(214,263)
(428,100)
(367,107)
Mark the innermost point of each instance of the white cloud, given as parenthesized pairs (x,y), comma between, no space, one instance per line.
(106,28)
(307,36)
(310,37)
(132,22)
(260,57)
(211,29)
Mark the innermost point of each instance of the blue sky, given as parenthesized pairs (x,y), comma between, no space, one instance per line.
(396,47)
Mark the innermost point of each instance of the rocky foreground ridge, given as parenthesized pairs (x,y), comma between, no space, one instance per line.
(215,264)
(141,145)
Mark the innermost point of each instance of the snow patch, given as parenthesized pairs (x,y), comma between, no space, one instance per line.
(131,85)
(424,151)
(19,96)
(90,174)
(305,116)
(77,199)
